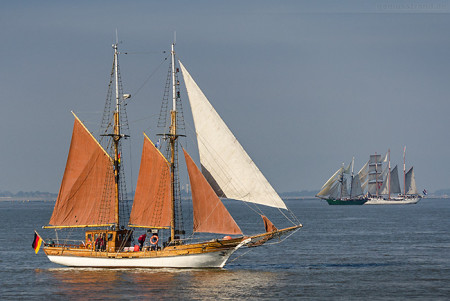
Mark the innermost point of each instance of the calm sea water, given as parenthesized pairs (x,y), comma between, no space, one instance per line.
(343,252)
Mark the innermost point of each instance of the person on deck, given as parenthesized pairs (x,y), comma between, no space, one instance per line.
(141,240)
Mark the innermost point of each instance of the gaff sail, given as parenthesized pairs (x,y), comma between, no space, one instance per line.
(152,200)
(87,195)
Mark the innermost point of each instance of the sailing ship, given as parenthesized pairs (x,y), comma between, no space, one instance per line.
(335,191)
(384,184)
(92,196)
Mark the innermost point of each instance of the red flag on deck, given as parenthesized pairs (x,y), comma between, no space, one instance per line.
(37,241)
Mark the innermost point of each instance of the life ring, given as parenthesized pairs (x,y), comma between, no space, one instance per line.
(154,239)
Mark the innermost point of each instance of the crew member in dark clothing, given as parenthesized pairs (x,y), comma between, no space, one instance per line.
(141,240)
(100,244)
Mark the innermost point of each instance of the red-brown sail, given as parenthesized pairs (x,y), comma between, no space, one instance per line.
(210,215)
(152,200)
(86,195)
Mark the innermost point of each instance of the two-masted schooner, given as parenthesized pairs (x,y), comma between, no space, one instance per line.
(91,195)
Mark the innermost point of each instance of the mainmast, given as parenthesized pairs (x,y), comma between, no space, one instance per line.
(173,138)
(116,136)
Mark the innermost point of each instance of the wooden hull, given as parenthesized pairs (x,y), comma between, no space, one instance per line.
(215,259)
(212,254)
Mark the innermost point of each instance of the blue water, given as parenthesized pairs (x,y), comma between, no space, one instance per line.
(343,252)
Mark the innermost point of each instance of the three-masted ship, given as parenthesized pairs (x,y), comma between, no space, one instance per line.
(384,188)
(92,195)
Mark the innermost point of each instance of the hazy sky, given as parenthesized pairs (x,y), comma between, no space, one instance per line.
(304,85)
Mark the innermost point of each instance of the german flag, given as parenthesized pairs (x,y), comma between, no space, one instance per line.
(37,241)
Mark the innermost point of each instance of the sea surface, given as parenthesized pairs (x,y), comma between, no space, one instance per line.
(381,252)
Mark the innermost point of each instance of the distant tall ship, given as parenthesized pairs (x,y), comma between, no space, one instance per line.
(384,185)
(372,185)
(336,191)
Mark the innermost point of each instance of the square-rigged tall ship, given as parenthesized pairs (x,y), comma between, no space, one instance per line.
(92,191)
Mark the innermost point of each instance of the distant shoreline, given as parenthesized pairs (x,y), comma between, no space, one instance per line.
(290,198)
(24,199)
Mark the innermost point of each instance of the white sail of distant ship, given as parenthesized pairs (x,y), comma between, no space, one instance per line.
(410,182)
(394,183)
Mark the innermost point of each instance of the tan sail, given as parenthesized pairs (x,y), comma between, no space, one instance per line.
(152,200)
(86,195)
(210,215)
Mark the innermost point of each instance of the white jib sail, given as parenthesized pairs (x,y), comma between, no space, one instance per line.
(225,164)
(326,188)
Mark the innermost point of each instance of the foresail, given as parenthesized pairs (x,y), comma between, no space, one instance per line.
(86,196)
(152,199)
(333,178)
(210,215)
(335,191)
(225,164)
